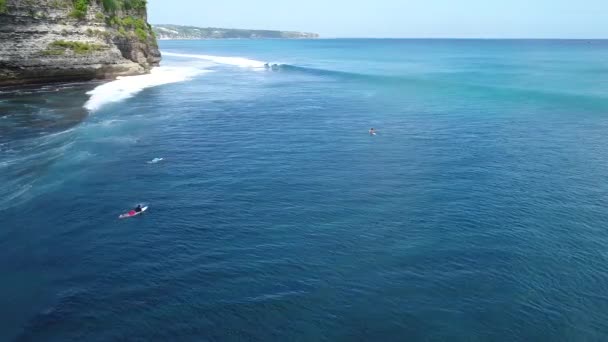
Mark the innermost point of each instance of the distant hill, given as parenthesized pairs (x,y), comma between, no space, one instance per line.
(192,32)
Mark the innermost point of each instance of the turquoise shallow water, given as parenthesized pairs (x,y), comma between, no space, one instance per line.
(477,213)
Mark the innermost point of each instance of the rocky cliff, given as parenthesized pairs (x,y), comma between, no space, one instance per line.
(59,40)
(192,32)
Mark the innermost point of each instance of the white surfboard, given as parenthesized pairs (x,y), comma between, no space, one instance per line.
(127,215)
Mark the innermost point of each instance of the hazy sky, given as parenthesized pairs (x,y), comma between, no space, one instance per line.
(396,18)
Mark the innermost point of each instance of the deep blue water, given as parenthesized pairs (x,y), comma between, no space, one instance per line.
(478,212)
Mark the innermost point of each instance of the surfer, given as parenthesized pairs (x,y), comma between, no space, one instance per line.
(137,210)
(372,131)
(134,212)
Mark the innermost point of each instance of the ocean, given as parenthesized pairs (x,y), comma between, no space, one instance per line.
(477,212)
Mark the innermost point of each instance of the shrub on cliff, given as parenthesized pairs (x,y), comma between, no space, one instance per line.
(114,5)
(59,47)
(110,5)
(141,34)
(135,4)
(80,9)
(130,26)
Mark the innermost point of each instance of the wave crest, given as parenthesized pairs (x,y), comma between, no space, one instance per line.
(235,61)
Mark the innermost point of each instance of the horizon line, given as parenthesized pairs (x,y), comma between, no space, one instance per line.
(394,38)
(469,38)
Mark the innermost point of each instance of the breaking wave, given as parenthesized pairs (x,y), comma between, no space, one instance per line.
(126,87)
(235,61)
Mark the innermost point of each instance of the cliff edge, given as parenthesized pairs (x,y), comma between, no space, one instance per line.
(61,40)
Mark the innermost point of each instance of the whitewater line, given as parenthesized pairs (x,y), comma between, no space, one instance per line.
(235,61)
(127,86)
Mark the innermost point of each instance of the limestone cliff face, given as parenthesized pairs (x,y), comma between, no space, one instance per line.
(60,40)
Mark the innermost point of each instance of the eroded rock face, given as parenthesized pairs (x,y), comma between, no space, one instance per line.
(49,40)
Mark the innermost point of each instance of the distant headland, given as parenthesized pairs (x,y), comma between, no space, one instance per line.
(168,32)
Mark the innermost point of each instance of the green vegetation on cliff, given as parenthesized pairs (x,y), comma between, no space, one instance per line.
(120,14)
(114,5)
(80,9)
(2,6)
(130,26)
(110,6)
(135,4)
(59,47)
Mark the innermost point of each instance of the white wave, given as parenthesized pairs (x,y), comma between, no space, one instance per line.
(126,87)
(156,160)
(236,61)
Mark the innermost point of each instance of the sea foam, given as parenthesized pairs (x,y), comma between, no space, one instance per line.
(235,61)
(126,87)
